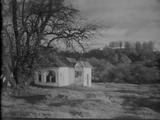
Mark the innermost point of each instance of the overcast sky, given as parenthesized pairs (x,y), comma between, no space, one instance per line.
(132,20)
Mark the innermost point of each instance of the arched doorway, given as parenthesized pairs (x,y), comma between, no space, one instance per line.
(79,77)
(51,77)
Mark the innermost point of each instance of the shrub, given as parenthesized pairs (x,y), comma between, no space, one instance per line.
(121,73)
(99,66)
(143,74)
(130,73)
(107,74)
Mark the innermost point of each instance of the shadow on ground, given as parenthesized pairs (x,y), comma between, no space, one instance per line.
(71,103)
(137,103)
(32,99)
(126,118)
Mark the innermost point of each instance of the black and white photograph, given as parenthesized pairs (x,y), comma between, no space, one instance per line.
(76,59)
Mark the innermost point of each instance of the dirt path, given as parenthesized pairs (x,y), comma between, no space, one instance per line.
(100,101)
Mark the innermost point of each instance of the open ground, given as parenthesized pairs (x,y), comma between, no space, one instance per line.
(110,100)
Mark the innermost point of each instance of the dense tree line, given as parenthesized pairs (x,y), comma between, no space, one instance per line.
(137,63)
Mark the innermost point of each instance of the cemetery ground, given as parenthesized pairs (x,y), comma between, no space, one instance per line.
(109,100)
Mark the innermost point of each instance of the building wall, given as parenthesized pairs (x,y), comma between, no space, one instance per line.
(66,76)
(71,75)
(87,77)
(63,77)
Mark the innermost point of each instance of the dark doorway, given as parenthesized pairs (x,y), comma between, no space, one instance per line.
(51,77)
(39,76)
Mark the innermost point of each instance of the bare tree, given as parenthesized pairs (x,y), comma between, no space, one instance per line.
(40,23)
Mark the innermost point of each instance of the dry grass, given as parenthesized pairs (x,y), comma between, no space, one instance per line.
(100,101)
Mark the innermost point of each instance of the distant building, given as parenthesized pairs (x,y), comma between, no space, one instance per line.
(78,73)
(117,45)
(148,45)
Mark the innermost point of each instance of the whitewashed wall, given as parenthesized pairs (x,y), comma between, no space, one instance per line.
(71,75)
(66,76)
(87,81)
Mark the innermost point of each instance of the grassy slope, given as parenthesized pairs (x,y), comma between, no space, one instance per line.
(100,101)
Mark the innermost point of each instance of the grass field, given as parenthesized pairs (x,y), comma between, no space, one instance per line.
(110,100)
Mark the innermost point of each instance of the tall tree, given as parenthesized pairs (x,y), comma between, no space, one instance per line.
(40,23)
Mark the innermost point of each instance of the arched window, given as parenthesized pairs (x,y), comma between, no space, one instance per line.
(51,77)
(39,76)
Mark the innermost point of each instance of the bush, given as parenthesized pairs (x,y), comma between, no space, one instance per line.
(99,66)
(143,74)
(119,73)
(131,73)
(107,74)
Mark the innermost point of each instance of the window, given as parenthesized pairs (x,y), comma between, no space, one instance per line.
(51,77)
(39,76)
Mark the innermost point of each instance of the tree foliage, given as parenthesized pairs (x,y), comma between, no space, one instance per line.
(136,63)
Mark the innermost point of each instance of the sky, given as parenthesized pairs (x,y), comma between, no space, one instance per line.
(124,20)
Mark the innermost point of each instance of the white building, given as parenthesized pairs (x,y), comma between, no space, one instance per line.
(83,73)
(64,75)
(117,45)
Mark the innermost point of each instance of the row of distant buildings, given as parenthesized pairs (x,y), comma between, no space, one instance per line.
(126,44)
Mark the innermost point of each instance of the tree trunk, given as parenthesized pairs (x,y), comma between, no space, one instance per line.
(15,27)
(7,71)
